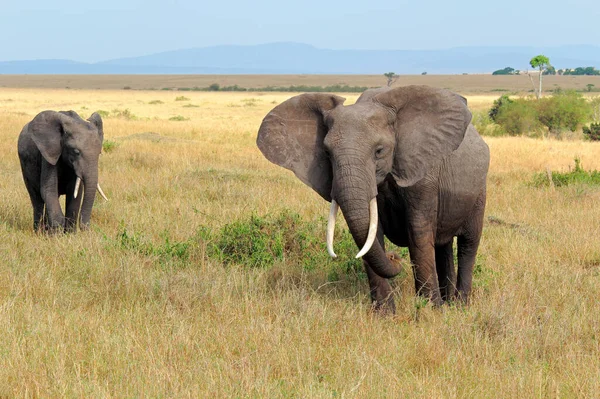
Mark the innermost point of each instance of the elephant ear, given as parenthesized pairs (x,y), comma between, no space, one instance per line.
(96,121)
(292,135)
(47,129)
(430,124)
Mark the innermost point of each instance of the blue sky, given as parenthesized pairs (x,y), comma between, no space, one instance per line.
(94,31)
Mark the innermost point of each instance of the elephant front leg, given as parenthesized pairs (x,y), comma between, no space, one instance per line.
(49,189)
(73,205)
(422,255)
(381,292)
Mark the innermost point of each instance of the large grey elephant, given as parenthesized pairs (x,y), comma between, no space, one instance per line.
(404,163)
(59,150)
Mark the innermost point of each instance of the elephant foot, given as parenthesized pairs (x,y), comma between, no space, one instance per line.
(386,307)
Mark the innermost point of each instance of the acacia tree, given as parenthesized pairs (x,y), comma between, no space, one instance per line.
(391,78)
(542,63)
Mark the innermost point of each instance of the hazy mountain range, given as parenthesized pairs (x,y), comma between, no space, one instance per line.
(295,58)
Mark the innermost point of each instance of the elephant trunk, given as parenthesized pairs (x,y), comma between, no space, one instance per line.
(90,184)
(358,205)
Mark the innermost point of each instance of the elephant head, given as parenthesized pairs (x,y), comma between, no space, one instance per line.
(345,152)
(77,143)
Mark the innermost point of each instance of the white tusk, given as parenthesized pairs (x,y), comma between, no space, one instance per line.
(373,224)
(331,227)
(77,184)
(101,192)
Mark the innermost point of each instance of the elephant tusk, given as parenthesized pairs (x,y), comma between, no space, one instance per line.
(77,184)
(331,227)
(373,223)
(101,192)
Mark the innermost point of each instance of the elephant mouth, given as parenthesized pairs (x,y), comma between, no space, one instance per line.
(78,183)
(373,223)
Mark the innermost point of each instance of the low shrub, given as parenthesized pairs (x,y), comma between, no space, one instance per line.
(592,132)
(559,179)
(564,110)
(518,117)
(109,145)
(179,118)
(153,102)
(181,98)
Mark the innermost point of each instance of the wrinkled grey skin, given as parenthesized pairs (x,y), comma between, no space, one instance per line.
(55,148)
(414,149)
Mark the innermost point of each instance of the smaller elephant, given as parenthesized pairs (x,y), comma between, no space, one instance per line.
(58,151)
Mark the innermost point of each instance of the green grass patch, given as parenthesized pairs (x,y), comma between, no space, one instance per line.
(109,146)
(574,176)
(191,106)
(179,118)
(181,98)
(153,102)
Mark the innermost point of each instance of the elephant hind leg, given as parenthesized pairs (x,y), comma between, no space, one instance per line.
(444,261)
(468,243)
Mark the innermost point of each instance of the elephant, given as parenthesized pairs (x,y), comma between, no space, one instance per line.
(405,163)
(58,151)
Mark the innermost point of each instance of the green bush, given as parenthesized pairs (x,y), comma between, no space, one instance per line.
(178,118)
(592,132)
(518,117)
(109,145)
(501,101)
(103,113)
(564,110)
(153,102)
(181,98)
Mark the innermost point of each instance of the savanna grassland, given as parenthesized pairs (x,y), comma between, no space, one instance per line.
(148,303)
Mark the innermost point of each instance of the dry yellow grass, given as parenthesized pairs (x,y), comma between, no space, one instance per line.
(83,316)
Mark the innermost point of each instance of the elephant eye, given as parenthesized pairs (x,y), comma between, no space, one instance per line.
(379,152)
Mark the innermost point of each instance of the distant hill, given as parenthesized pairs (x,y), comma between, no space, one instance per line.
(295,58)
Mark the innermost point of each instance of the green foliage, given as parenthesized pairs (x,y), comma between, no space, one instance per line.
(595,108)
(214,87)
(590,87)
(165,251)
(564,110)
(518,117)
(540,61)
(391,77)
(127,88)
(503,100)
(191,106)
(505,71)
(576,176)
(179,118)
(485,125)
(123,113)
(153,102)
(592,132)
(103,113)
(181,98)
(550,70)
(338,88)
(589,71)
(109,145)
(260,241)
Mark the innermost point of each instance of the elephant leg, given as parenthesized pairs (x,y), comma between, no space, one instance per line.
(49,191)
(468,243)
(380,289)
(38,206)
(444,261)
(72,205)
(422,254)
